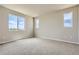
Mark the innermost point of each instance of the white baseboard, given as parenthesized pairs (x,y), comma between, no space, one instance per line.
(13,40)
(56,39)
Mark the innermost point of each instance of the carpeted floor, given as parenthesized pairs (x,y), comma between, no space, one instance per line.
(36,46)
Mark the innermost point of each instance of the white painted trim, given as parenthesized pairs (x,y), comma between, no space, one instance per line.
(13,40)
(55,39)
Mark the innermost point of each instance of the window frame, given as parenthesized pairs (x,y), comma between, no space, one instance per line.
(17,22)
(71,20)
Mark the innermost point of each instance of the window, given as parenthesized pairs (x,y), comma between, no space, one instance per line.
(12,22)
(68,19)
(37,23)
(21,23)
(16,22)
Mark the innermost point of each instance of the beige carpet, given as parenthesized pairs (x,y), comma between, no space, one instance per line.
(35,46)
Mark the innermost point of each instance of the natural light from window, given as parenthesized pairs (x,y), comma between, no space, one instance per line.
(21,23)
(68,19)
(12,22)
(37,23)
(15,22)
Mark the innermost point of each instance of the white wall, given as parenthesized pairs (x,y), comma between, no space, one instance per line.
(51,26)
(6,35)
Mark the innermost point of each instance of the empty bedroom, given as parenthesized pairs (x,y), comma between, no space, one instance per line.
(39,29)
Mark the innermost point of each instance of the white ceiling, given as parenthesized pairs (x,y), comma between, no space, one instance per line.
(36,9)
